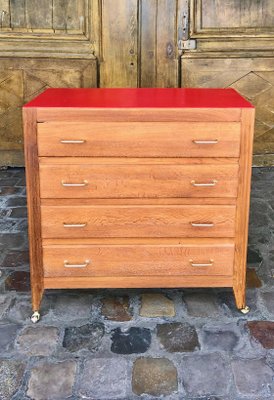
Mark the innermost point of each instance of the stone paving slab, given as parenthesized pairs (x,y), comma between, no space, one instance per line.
(189,344)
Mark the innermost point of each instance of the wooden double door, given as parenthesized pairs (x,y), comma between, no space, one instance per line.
(135,43)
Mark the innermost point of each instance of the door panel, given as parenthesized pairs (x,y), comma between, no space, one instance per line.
(42,44)
(234,48)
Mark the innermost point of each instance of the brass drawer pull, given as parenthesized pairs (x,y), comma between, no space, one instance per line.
(202,224)
(72,141)
(68,184)
(215,141)
(213,182)
(68,265)
(209,264)
(74,225)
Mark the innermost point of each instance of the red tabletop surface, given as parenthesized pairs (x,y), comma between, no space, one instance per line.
(140,98)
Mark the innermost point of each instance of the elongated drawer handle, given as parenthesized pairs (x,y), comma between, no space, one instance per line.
(70,184)
(213,182)
(74,225)
(208,264)
(72,141)
(68,265)
(202,224)
(215,141)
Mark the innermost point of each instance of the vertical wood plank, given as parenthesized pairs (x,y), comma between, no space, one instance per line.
(242,211)
(39,14)
(4,14)
(17,12)
(167,63)
(148,39)
(119,43)
(68,15)
(33,196)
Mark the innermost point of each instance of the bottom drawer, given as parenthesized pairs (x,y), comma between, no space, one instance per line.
(138,260)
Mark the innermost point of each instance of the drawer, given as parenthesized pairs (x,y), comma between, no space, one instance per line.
(135,139)
(137,181)
(137,221)
(134,260)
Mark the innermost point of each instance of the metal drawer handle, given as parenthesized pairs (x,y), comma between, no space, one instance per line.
(202,224)
(74,225)
(213,182)
(208,264)
(68,265)
(215,141)
(68,184)
(72,141)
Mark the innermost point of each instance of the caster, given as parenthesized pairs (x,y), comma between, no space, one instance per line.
(245,310)
(35,317)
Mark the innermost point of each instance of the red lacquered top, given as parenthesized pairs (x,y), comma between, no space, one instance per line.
(140,98)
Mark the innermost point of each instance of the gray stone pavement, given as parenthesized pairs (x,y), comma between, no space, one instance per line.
(136,344)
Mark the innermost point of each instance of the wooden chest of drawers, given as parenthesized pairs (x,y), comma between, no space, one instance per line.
(138,188)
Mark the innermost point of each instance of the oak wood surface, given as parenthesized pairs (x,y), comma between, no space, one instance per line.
(139,160)
(139,139)
(138,260)
(137,282)
(242,211)
(141,201)
(137,181)
(138,114)
(185,241)
(33,203)
(137,221)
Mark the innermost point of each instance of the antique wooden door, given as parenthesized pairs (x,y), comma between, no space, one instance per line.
(135,43)
(233,46)
(43,43)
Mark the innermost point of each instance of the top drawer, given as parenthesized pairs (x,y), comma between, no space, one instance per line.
(139,139)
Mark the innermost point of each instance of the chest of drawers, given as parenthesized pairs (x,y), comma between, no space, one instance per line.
(138,188)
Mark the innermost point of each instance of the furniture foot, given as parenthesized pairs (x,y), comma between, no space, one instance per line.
(35,317)
(245,310)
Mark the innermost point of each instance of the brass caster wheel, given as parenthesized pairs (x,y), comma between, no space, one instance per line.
(245,310)
(35,317)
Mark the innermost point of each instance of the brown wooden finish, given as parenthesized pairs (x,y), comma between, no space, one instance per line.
(137,282)
(138,203)
(138,115)
(137,181)
(139,139)
(185,241)
(33,196)
(177,200)
(137,221)
(138,260)
(242,212)
(140,161)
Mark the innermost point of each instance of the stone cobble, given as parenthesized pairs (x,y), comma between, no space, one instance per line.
(174,344)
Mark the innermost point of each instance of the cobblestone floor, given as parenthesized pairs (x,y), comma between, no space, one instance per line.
(131,344)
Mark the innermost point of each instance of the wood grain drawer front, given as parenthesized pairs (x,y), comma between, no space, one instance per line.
(132,260)
(133,139)
(137,181)
(137,221)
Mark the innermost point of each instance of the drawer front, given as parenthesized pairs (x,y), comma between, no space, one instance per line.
(137,221)
(137,181)
(134,260)
(146,139)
